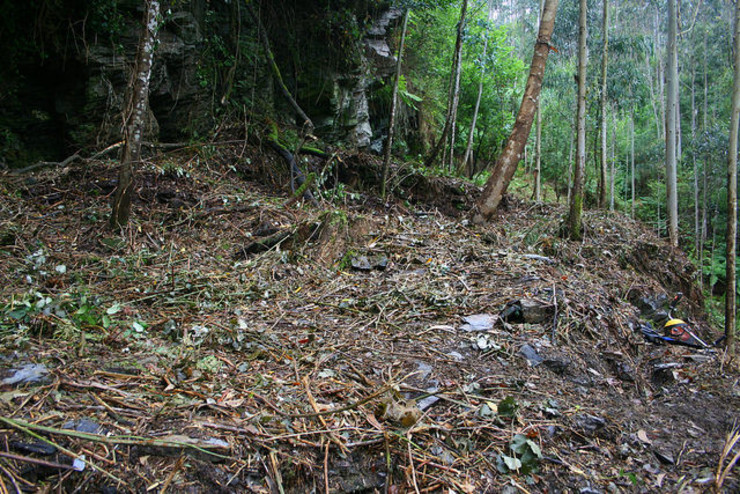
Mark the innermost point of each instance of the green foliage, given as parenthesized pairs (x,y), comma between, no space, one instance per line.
(408,98)
(508,407)
(64,316)
(524,457)
(427,67)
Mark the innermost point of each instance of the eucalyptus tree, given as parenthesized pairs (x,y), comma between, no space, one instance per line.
(604,57)
(576,197)
(731,237)
(671,138)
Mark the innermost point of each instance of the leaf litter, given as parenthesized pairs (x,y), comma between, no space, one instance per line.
(228,343)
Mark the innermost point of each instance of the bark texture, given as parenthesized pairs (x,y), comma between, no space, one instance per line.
(509,160)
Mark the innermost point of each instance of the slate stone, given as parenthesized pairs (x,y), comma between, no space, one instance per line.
(529,353)
(28,374)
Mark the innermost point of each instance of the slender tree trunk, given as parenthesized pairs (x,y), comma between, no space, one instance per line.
(697,232)
(612,175)
(661,75)
(653,97)
(538,157)
(706,88)
(538,141)
(133,132)
(508,161)
(468,157)
(632,163)
(469,146)
(394,105)
(604,59)
(671,138)
(454,93)
(576,200)
(704,208)
(570,160)
(679,132)
(704,169)
(731,253)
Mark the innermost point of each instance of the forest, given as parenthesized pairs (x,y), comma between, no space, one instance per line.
(369,246)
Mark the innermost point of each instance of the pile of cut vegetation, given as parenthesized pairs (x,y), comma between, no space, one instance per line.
(232,340)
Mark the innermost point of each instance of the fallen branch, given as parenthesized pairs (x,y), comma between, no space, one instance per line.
(43,164)
(28,428)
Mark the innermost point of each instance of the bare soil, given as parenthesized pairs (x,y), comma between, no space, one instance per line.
(226,342)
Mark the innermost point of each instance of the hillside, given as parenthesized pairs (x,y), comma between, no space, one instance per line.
(234,341)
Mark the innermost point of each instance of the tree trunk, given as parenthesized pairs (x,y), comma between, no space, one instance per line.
(538,156)
(612,175)
(661,75)
(576,199)
(632,163)
(704,226)
(508,161)
(570,160)
(604,59)
(670,137)
(394,105)
(697,232)
(653,98)
(538,141)
(731,253)
(138,101)
(469,146)
(454,93)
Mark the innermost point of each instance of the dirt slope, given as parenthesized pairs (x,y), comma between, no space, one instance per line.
(230,343)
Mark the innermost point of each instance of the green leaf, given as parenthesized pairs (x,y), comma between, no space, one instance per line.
(511,462)
(519,444)
(113,309)
(535,448)
(507,407)
(18,314)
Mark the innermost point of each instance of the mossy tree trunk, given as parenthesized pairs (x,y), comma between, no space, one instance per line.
(138,101)
(576,198)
